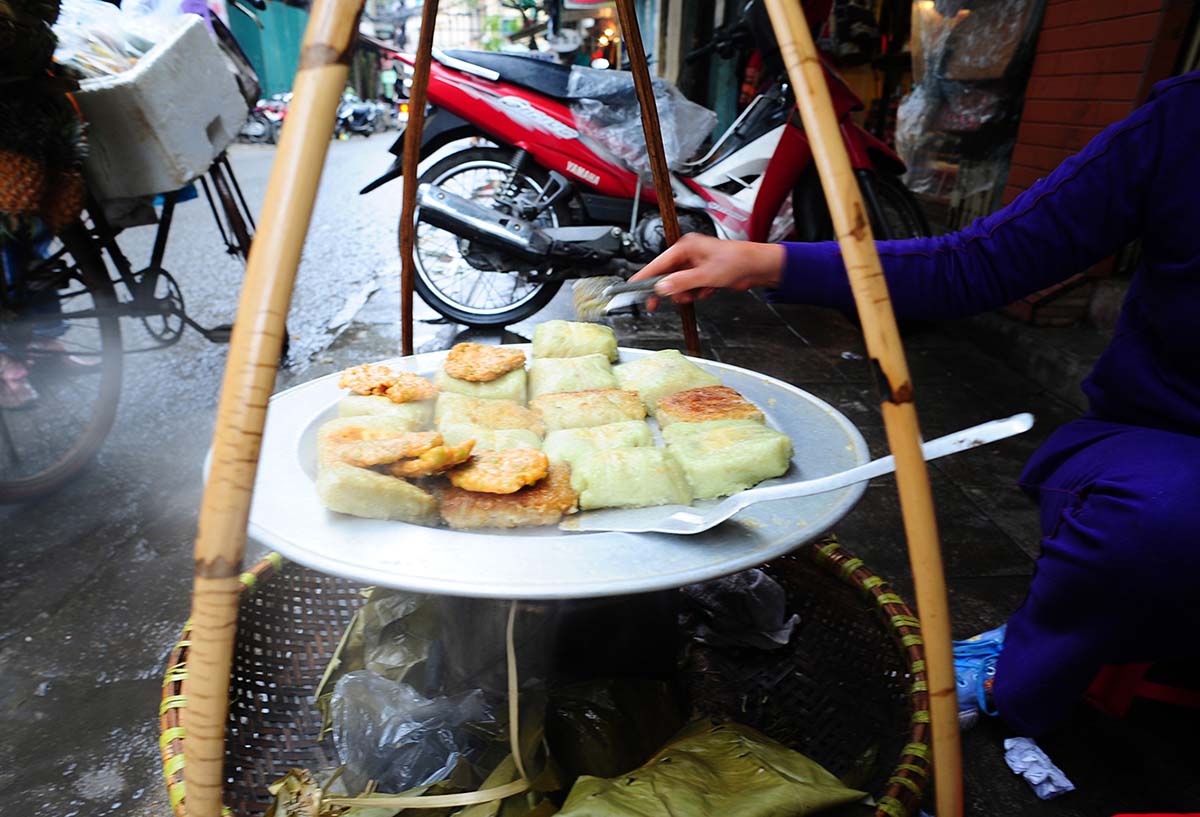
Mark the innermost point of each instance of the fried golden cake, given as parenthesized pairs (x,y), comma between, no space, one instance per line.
(542,503)
(370,378)
(706,403)
(584,409)
(455,409)
(334,434)
(411,388)
(375,379)
(436,460)
(365,453)
(479,363)
(500,472)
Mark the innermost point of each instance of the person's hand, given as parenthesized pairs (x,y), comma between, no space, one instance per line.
(697,265)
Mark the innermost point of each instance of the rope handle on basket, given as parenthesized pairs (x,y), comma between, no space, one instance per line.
(521,784)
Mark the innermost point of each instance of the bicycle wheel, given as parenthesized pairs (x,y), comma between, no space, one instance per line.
(63,331)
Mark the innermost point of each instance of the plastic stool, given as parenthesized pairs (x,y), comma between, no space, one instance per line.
(1115,687)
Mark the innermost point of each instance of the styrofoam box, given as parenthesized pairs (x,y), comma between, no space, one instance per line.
(159,125)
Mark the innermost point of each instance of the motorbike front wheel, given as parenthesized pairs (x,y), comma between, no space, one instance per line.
(445,278)
(893,210)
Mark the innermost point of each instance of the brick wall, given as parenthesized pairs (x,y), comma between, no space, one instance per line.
(1087,73)
(1095,62)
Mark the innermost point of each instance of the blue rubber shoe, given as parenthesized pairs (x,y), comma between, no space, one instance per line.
(974,667)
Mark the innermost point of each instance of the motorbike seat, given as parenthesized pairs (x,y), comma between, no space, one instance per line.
(543,76)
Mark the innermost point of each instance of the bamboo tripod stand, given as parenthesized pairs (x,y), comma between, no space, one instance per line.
(258,335)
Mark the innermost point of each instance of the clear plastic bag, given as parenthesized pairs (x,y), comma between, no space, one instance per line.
(605,108)
(99,39)
(387,732)
(969,68)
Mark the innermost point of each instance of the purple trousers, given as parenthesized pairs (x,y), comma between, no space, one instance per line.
(1115,582)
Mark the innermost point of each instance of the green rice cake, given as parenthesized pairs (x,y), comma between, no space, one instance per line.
(511,386)
(362,492)
(630,478)
(585,409)
(574,445)
(418,414)
(660,374)
(722,457)
(490,439)
(552,375)
(455,409)
(574,339)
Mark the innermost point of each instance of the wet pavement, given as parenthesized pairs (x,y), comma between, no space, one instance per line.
(95,580)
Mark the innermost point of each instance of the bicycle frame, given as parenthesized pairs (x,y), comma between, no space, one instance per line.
(141,285)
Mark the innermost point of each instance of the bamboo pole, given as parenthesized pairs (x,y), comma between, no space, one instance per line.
(412,157)
(249,379)
(899,412)
(632,37)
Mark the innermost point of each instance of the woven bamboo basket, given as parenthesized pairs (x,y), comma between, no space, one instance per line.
(852,695)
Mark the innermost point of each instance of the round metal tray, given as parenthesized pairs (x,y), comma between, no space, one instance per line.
(542,563)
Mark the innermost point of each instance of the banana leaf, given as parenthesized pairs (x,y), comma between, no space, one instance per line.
(527,804)
(389,635)
(299,795)
(713,770)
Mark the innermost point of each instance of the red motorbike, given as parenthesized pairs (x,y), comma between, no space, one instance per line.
(518,200)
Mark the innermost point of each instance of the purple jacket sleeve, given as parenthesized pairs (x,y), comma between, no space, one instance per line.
(1090,206)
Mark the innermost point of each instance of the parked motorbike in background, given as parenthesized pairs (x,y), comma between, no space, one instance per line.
(358,116)
(265,120)
(527,201)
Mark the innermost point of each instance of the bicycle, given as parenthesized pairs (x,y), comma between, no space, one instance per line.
(60,332)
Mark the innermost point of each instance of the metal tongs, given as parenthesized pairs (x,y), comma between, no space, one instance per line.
(687,519)
(597,297)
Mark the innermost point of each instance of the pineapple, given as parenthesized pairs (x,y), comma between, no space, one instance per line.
(41,140)
(64,198)
(23,134)
(65,189)
(22,182)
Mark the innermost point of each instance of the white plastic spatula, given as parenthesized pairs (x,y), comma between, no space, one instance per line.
(687,519)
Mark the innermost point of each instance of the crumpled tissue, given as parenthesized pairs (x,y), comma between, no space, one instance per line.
(1027,759)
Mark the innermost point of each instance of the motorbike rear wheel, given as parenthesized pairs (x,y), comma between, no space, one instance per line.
(445,279)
